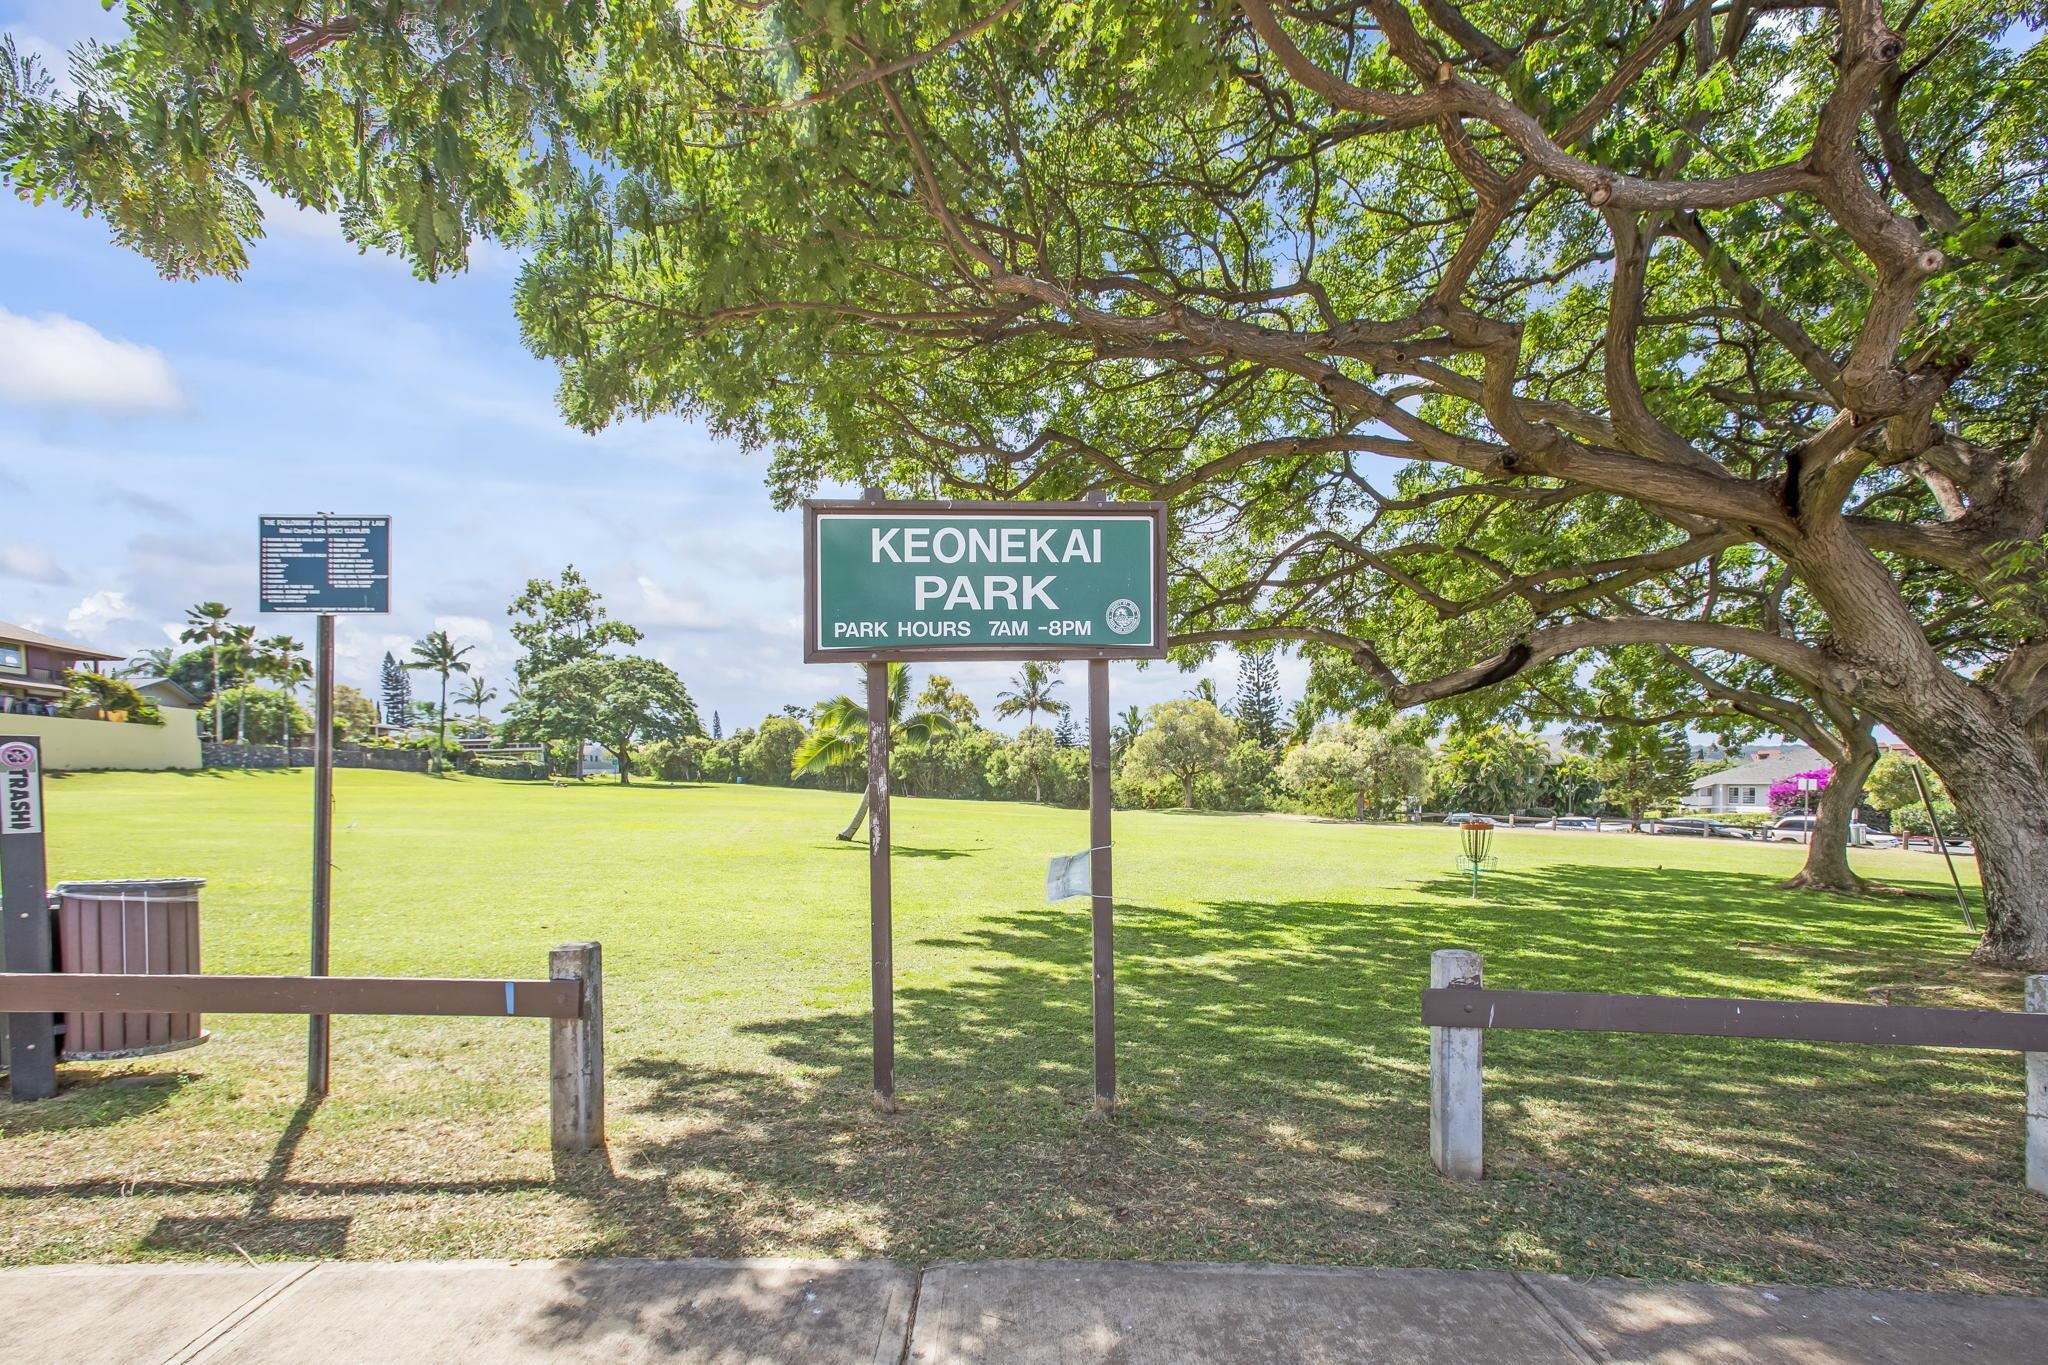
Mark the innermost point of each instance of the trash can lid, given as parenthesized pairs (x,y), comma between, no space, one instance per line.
(132,886)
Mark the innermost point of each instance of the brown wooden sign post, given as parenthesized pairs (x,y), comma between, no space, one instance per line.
(881,907)
(888,582)
(1101,888)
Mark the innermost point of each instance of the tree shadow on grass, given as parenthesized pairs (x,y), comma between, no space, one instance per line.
(261,1231)
(87,1098)
(1274,1087)
(902,850)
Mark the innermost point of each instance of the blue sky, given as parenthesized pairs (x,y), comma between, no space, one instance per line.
(145,426)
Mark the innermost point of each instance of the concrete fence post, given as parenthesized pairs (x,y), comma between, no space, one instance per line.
(576,1053)
(2037,1095)
(1457,1095)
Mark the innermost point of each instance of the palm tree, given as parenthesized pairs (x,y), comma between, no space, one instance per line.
(479,695)
(1125,730)
(1302,720)
(149,663)
(284,664)
(439,654)
(1205,690)
(207,624)
(245,660)
(841,739)
(1033,686)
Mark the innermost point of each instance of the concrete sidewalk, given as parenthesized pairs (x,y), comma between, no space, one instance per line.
(1012,1312)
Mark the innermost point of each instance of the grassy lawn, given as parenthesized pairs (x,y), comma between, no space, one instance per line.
(1273,1069)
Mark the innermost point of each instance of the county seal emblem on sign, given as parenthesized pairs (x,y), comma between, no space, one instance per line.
(1122,616)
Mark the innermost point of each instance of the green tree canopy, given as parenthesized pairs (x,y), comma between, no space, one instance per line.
(769,756)
(1184,739)
(1707,326)
(1642,767)
(1357,768)
(619,702)
(1497,769)
(563,621)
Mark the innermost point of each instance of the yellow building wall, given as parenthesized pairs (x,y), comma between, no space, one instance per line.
(73,745)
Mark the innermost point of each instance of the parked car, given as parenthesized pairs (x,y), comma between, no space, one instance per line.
(1699,829)
(1879,839)
(1793,829)
(1460,817)
(1580,822)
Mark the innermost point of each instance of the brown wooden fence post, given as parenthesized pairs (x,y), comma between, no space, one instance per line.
(1457,1089)
(576,1053)
(2037,1095)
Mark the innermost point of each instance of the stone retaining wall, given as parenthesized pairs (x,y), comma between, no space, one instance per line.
(347,756)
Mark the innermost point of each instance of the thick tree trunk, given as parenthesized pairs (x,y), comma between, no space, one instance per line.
(1965,730)
(1995,774)
(1827,846)
(1187,791)
(625,753)
(853,826)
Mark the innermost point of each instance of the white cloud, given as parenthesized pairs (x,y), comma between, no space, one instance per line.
(56,361)
(31,562)
(660,607)
(98,611)
(468,630)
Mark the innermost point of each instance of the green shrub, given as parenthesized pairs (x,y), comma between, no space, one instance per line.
(96,696)
(519,769)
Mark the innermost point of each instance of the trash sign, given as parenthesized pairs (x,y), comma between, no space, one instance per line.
(21,793)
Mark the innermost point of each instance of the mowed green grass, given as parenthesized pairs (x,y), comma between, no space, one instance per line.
(1273,1070)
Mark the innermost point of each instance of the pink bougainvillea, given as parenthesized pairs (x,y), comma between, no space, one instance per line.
(1785,793)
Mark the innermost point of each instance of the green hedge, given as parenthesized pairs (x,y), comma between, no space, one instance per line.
(516,768)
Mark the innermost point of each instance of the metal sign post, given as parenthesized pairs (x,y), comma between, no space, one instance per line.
(893,581)
(323,564)
(318,1039)
(25,937)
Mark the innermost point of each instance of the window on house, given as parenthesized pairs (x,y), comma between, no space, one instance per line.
(13,659)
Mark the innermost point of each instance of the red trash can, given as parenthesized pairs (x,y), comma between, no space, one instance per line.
(148,926)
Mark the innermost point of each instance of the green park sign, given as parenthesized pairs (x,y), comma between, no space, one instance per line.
(984,580)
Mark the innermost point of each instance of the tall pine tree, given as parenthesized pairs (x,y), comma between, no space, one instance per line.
(1258,697)
(717,731)
(396,685)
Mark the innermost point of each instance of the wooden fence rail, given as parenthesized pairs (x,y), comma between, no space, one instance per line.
(1459,1010)
(110,991)
(571,997)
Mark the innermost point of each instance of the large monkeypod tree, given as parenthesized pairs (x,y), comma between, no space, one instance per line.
(1466,338)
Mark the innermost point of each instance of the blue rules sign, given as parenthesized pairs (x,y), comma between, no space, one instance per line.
(325,565)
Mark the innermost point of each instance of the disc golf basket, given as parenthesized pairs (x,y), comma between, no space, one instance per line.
(1474,837)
